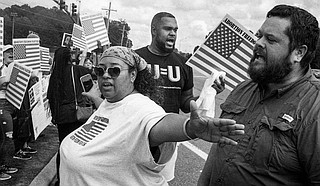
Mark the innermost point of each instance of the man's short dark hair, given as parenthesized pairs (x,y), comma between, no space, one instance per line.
(304,29)
(157,18)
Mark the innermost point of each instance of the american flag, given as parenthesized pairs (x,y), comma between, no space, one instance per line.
(1,40)
(18,84)
(228,48)
(44,59)
(78,37)
(89,131)
(95,30)
(27,51)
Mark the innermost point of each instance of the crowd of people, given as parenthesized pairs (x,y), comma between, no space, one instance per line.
(268,132)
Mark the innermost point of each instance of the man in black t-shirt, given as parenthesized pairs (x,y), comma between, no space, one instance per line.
(177,76)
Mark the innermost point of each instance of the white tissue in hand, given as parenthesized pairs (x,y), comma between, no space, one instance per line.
(206,100)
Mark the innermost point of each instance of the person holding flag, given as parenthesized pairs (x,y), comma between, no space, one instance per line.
(279,107)
(7,112)
(170,66)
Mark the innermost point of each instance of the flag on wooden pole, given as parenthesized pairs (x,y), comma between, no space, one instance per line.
(27,52)
(95,30)
(18,84)
(228,48)
(78,37)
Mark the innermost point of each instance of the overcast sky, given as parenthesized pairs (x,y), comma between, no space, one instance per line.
(196,18)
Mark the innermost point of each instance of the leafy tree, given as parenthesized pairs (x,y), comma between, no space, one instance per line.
(50,24)
(115,33)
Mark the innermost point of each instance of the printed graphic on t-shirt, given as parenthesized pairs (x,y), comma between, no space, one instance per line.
(90,130)
(172,72)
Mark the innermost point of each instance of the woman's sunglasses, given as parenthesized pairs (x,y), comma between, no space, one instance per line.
(114,72)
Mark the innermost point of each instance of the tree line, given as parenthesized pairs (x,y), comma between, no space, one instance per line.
(50,24)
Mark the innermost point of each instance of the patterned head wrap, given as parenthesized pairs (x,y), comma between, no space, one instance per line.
(127,55)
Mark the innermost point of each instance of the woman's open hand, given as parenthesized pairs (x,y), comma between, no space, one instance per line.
(214,130)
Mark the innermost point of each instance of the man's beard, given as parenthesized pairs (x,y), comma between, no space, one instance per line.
(162,46)
(273,72)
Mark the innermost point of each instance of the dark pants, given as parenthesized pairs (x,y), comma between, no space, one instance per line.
(7,113)
(22,131)
(2,140)
(5,143)
(63,131)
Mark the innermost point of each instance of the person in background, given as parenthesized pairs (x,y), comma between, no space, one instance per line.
(23,128)
(315,63)
(88,64)
(75,57)
(5,170)
(170,66)
(279,107)
(8,110)
(7,113)
(61,94)
(113,146)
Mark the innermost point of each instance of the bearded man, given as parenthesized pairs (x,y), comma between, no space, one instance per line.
(279,107)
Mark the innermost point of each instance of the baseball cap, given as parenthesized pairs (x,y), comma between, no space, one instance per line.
(7,47)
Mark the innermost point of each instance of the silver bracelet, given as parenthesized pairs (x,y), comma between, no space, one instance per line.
(185,130)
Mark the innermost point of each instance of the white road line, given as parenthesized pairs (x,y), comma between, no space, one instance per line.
(195,149)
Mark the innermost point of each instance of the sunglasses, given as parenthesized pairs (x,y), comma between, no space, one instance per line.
(114,72)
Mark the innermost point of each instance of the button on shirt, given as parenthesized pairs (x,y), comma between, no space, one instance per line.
(281,145)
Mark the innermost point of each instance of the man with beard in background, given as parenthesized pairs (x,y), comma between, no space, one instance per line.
(279,106)
(169,66)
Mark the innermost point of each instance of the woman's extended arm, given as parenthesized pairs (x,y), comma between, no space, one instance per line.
(175,127)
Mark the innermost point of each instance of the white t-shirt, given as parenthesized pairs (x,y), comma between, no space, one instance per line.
(112,147)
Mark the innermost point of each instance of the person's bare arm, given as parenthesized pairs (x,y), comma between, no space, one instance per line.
(175,127)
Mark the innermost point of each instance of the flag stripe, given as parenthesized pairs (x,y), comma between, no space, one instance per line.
(247,48)
(224,64)
(215,66)
(234,64)
(27,52)
(44,59)
(205,61)
(87,133)
(84,138)
(19,80)
(239,58)
(78,37)
(225,49)
(95,30)
(205,69)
